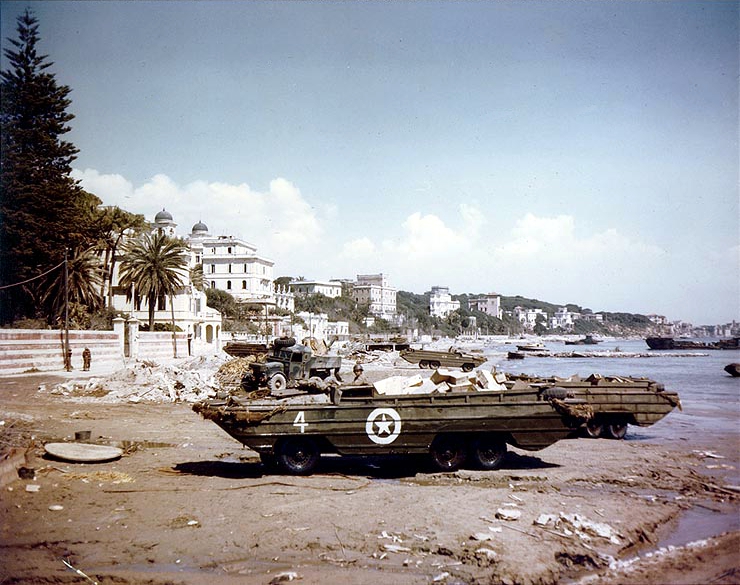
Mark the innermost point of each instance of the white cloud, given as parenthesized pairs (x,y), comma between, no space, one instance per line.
(559,259)
(278,221)
(359,249)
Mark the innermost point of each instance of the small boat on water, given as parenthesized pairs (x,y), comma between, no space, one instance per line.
(532,347)
(671,343)
(516,355)
(733,370)
(587,340)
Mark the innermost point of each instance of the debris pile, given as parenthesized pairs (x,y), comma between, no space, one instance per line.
(148,381)
(442,380)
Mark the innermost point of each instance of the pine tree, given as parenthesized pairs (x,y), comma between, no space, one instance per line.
(42,209)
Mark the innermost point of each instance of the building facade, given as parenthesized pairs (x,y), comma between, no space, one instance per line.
(441,303)
(233,265)
(489,303)
(201,323)
(331,288)
(374,290)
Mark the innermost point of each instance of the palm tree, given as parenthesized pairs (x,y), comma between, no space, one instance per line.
(84,275)
(196,276)
(154,265)
(115,223)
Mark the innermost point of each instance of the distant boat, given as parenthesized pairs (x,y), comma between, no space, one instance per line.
(516,355)
(733,370)
(537,346)
(588,340)
(671,343)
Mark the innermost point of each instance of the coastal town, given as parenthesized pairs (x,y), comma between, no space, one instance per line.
(369,292)
(233,266)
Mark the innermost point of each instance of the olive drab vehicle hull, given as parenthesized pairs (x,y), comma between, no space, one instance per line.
(616,401)
(453,427)
(442,359)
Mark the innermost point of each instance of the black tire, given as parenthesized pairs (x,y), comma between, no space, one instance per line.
(616,429)
(468,367)
(488,452)
(448,452)
(298,455)
(277,383)
(424,364)
(284,342)
(594,428)
(434,364)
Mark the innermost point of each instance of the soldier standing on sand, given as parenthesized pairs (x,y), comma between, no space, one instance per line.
(86,359)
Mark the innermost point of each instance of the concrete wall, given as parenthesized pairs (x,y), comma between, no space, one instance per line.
(24,350)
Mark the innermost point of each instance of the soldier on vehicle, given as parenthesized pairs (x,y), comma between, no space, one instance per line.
(360,377)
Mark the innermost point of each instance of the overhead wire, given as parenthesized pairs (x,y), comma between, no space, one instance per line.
(34,278)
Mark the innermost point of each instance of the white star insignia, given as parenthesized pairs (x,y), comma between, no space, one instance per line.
(384,426)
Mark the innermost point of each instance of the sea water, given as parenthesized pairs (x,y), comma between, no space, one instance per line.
(708,424)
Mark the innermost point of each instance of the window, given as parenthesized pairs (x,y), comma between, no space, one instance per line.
(229,268)
(197,258)
(213,284)
(245,269)
(244,284)
(228,285)
(228,250)
(213,268)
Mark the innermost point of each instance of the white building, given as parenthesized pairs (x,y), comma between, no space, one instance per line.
(489,303)
(564,319)
(191,313)
(331,288)
(232,265)
(528,317)
(373,290)
(441,303)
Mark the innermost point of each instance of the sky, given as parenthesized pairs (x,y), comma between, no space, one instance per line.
(571,151)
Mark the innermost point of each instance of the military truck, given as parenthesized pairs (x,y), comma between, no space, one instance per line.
(452,358)
(288,364)
(452,427)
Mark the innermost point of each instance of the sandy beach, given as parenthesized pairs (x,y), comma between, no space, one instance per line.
(188,504)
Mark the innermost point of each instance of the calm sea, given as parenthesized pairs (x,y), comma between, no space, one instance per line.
(710,419)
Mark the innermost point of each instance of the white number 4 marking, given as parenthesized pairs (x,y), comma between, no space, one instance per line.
(300,421)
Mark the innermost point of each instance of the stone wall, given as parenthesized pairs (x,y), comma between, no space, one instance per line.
(23,350)
(28,350)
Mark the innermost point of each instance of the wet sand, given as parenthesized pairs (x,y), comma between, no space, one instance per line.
(188,504)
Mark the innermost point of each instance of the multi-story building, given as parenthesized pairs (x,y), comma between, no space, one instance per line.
(331,288)
(489,303)
(564,319)
(441,303)
(191,313)
(529,317)
(232,265)
(374,290)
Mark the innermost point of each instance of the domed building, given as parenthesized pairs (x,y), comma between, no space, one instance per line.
(164,224)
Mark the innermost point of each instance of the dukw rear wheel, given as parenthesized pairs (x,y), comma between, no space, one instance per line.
(488,452)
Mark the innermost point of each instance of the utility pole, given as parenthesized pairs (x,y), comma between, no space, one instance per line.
(67,351)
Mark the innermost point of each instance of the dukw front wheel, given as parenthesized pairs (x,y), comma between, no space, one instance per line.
(448,452)
(298,455)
